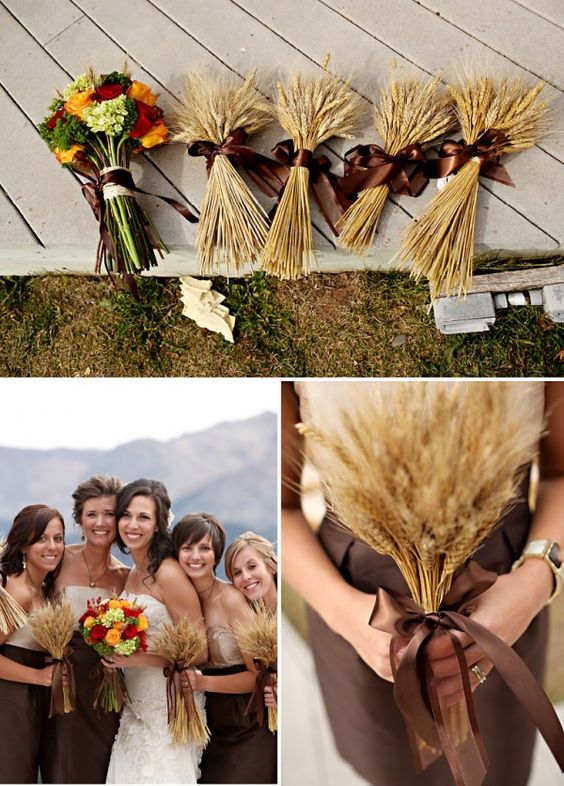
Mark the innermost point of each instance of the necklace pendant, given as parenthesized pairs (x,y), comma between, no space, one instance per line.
(92,584)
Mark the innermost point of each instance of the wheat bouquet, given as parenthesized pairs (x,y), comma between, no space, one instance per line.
(53,626)
(410,114)
(257,636)
(180,644)
(422,471)
(214,119)
(12,616)
(312,110)
(496,117)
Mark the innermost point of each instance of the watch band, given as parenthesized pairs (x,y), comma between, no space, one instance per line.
(549,552)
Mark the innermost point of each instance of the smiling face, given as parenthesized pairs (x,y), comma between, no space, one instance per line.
(251,574)
(45,554)
(98,520)
(197,559)
(138,523)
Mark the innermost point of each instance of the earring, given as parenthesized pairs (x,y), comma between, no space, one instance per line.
(24,561)
(82,537)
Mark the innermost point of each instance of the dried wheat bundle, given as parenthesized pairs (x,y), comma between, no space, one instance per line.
(257,636)
(214,119)
(423,470)
(53,626)
(12,616)
(180,644)
(411,113)
(311,109)
(496,117)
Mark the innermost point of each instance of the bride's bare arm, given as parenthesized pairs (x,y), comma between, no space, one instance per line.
(308,569)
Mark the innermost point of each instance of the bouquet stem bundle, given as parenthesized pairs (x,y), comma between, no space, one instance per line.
(180,644)
(233,226)
(421,471)
(496,117)
(12,616)
(53,626)
(257,636)
(411,111)
(311,110)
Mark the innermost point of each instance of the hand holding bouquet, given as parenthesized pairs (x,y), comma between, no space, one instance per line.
(113,626)
(93,128)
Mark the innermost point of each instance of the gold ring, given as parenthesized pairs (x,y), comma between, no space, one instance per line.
(479,674)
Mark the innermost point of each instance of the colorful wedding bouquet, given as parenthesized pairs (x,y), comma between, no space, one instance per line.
(93,128)
(113,627)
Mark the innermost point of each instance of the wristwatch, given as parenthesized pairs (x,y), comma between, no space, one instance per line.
(549,551)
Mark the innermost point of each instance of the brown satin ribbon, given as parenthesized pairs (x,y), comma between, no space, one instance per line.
(324,184)
(453,155)
(63,677)
(414,686)
(93,190)
(266,677)
(178,688)
(368,166)
(267,174)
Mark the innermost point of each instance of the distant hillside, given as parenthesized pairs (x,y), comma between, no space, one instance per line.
(228,470)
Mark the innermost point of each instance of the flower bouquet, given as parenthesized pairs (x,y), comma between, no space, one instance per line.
(180,644)
(93,128)
(113,627)
(53,625)
(422,471)
(257,636)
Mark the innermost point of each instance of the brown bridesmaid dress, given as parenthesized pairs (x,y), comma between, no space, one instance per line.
(239,751)
(368,728)
(78,745)
(23,709)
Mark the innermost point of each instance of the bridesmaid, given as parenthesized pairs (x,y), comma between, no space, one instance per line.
(79,744)
(240,751)
(29,563)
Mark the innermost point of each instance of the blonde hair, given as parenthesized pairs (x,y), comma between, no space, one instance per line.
(261,545)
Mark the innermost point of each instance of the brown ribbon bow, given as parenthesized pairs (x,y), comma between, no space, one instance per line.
(266,173)
(63,681)
(453,155)
(93,192)
(368,166)
(414,687)
(178,688)
(324,184)
(266,677)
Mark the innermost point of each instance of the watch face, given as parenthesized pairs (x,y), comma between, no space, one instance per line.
(554,555)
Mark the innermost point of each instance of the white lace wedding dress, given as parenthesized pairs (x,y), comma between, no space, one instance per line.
(142,752)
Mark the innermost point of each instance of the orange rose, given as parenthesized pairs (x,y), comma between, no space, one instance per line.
(117,625)
(67,156)
(142,623)
(114,604)
(112,637)
(137,90)
(156,136)
(76,104)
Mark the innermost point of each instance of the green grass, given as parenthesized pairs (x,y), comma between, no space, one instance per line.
(327,325)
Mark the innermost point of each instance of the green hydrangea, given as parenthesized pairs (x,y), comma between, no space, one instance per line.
(111,616)
(112,117)
(81,83)
(127,647)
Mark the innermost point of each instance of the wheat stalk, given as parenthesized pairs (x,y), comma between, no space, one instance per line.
(53,625)
(257,636)
(440,244)
(178,642)
(12,616)
(311,109)
(410,110)
(233,226)
(423,469)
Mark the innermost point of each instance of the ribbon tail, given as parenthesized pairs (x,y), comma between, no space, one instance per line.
(331,201)
(497,172)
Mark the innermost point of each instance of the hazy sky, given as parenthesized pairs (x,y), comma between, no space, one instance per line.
(103,413)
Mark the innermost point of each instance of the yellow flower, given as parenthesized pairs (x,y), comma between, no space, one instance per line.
(67,156)
(156,136)
(125,604)
(117,625)
(115,604)
(77,103)
(112,637)
(141,92)
(143,624)
(89,621)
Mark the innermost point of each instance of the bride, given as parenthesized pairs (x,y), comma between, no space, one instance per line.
(142,752)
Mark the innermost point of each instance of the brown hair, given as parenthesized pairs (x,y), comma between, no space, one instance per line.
(193,527)
(96,486)
(262,546)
